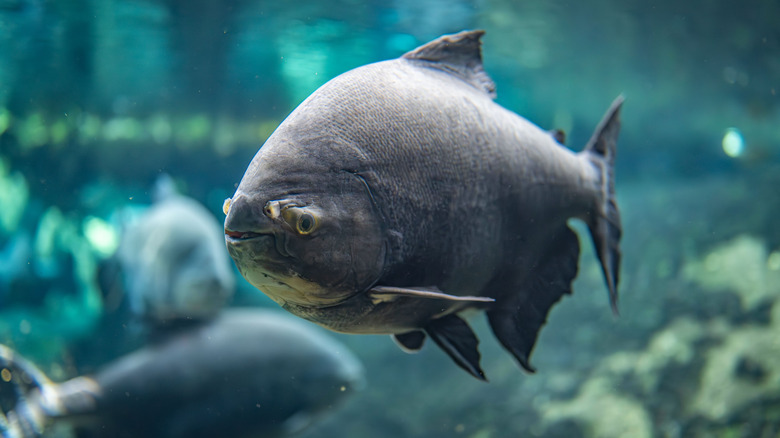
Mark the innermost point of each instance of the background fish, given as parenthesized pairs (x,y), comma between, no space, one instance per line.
(247,373)
(173,262)
(399,194)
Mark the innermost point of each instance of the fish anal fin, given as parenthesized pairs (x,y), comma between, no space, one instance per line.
(379,294)
(460,54)
(410,342)
(517,324)
(453,335)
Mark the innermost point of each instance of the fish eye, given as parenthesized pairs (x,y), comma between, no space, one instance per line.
(306,223)
(226,206)
(300,219)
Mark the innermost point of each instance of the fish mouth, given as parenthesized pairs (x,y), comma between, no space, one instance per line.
(267,240)
(239,236)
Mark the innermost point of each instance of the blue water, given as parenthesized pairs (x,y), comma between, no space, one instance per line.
(98,99)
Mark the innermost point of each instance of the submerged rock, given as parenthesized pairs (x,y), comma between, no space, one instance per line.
(701,373)
(743,265)
(741,370)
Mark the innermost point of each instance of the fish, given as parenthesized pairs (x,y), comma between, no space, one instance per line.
(172,261)
(246,373)
(399,197)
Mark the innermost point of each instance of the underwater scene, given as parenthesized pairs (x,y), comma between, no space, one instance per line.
(471,218)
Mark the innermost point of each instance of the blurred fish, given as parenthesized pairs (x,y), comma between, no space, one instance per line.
(246,373)
(173,260)
(399,194)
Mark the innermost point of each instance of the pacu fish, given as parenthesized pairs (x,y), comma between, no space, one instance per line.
(246,373)
(172,260)
(399,194)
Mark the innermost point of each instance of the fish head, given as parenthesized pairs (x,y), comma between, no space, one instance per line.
(174,263)
(304,231)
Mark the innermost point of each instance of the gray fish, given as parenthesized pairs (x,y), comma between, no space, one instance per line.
(247,373)
(173,260)
(399,194)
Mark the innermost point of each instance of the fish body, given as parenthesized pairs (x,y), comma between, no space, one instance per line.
(400,194)
(247,373)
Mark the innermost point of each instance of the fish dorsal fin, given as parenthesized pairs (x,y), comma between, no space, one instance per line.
(164,188)
(459,54)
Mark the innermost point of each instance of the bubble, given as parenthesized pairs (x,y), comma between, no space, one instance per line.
(733,143)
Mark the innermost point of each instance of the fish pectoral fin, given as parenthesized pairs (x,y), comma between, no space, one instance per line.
(410,342)
(297,422)
(517,324)
(380,294)
(453,335)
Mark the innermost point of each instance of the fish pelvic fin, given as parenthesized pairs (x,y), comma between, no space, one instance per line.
(410,342)
(604,222)
(516,322)
(453,335)
(459,54)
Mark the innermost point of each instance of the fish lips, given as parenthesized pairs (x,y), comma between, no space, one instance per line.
(251,246)
(239,236)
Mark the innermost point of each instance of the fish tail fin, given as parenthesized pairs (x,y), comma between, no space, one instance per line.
(604,222)
(26,419)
